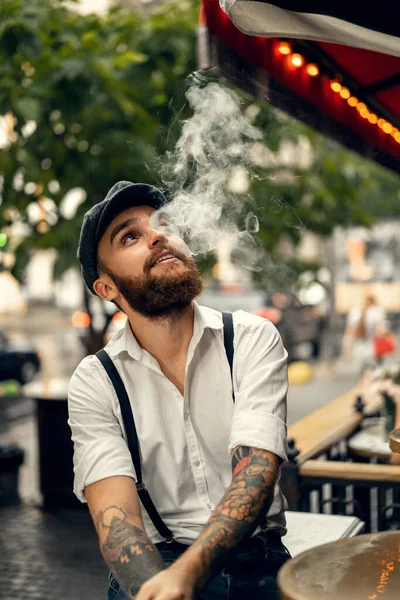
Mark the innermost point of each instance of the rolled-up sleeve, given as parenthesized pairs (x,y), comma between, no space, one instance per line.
(100,449)
(259,418)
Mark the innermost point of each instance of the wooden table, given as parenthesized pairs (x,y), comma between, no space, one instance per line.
(366,567)
(371,441)
(315,433)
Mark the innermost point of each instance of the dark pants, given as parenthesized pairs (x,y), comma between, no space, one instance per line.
(251,573)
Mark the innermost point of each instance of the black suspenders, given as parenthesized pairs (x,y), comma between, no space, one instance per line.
(130,428)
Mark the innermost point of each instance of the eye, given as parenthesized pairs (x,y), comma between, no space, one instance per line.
(131,236)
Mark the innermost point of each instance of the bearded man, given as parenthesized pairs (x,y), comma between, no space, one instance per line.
(193,508)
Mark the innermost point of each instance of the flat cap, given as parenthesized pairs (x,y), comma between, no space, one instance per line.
(121,196)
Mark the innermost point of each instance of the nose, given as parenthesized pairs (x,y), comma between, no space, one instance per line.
(155,237)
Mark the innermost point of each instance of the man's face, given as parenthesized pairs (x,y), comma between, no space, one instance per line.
(150,268)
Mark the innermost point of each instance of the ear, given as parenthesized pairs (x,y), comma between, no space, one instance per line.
(105,288)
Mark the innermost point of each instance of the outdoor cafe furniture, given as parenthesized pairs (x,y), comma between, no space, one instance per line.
(371,441)
(366,567)
(55,445)
(307,530)
(324,475)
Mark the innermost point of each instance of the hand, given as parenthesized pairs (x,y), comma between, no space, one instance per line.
(170,584)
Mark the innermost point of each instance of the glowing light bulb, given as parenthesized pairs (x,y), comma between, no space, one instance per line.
(80,319)
(344,92)
(397,137)
(381,123)
(364,113)
(297,60)
(284,48)
(372,118)
(336,87)
(387,128)
(360,106)
(312,70)
(352,101)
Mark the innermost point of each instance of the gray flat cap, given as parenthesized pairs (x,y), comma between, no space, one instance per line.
(121,196)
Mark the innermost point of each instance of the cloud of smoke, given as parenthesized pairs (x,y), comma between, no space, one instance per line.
(208,173)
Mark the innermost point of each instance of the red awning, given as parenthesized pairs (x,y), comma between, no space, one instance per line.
(358,90)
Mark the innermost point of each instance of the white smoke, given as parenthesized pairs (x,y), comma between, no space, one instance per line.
(207,176)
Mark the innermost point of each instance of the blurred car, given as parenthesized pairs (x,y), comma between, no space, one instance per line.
(300,325)
(19,360)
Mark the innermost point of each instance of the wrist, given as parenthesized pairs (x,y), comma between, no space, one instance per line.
(190,567)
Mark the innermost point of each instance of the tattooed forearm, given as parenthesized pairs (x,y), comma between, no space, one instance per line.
(242,508)
(127,550)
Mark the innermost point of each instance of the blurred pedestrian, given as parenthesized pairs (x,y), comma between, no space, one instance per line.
(385,342)
(359,337)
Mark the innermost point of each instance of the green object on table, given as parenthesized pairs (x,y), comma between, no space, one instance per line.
(389,412)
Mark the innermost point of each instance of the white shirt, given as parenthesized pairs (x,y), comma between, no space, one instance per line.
(185,441)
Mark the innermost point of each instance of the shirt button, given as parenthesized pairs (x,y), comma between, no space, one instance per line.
(196,463)
(186,416)
(209,506)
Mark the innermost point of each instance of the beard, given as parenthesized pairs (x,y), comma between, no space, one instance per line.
(164,295)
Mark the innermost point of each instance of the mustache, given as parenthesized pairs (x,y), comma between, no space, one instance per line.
(155,255)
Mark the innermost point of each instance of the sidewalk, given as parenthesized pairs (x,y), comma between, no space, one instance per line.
(49,556)
(45,556)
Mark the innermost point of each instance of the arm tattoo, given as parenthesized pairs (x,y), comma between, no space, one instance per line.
(242,508)
(127,550)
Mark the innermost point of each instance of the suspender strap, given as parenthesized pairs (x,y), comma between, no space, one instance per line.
(228,342)
(133,443)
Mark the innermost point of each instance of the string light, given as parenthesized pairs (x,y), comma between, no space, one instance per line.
(352,101)
(312,70)
(284,48)
(336,86)
(297,60)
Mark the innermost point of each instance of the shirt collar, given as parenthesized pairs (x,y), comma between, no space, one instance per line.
(206,318)
(125,341)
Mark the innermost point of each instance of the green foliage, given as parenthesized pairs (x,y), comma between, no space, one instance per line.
(337,188)
(99,89)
